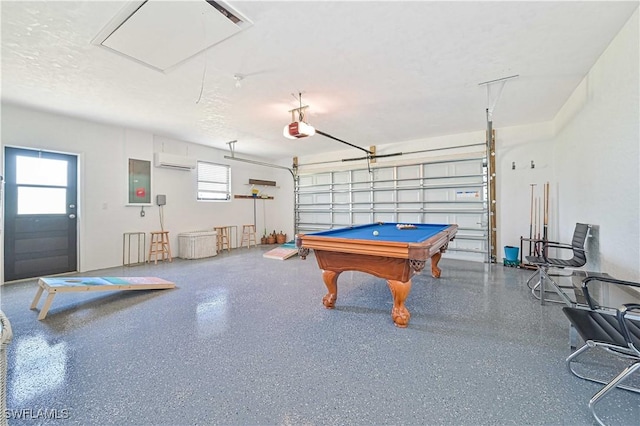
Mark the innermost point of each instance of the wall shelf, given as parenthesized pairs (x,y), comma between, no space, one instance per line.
(251,197)
(261,182)
(255,185)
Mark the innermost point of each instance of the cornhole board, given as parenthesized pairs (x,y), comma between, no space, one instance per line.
(283,252)
(75,284)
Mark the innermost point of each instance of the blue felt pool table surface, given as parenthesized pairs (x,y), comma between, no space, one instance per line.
(387,231)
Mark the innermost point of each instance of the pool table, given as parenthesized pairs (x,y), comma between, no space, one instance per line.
(391,251)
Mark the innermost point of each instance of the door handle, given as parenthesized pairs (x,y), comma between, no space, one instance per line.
(72,216)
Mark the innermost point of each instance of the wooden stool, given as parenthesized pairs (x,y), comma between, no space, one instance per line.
(159,246)
(223,238)
(249,235)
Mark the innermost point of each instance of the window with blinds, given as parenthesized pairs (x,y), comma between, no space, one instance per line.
(214,182)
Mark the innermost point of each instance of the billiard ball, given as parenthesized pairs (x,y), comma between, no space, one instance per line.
(376,233)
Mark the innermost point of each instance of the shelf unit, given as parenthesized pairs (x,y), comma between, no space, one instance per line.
(259,183)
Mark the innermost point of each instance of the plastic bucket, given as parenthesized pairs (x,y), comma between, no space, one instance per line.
(511,253)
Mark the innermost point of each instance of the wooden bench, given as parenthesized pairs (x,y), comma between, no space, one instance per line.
(53,285)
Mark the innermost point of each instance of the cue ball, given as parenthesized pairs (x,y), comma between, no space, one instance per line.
(375,233)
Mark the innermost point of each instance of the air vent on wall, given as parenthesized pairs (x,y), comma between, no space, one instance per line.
(163,34)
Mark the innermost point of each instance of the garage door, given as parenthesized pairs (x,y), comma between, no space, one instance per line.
(442,191)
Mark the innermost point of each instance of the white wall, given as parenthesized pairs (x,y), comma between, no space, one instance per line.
(103,152)
(520,191)
(598,157)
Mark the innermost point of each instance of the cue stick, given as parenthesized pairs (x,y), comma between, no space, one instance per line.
(531,220)
(539,216)
(538,219)
(546,210)
(535,225)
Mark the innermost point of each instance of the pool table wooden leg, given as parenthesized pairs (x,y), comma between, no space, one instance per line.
(435,271)
(400,290)
(330,279)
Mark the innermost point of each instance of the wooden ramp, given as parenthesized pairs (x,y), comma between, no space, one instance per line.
(54,285)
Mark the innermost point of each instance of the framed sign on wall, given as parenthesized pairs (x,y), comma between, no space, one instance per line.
(139,183)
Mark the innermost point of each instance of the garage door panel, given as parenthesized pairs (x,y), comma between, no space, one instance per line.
(409,218)
(361,218)
(361,197)
(409,172)
(384,217)
(411,183)
(383,206)
(384,197)
(468,168)
(343,219)
(360,175)
(341,197)
(322,199)
(341,177)
(406,196)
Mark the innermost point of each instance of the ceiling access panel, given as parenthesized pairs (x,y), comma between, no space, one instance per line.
(163,34)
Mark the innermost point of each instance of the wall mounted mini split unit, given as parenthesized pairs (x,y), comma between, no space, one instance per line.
(171,161)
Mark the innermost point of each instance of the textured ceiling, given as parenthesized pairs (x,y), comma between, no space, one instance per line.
(371,72)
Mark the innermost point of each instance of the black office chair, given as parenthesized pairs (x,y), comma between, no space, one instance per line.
(613,330)
(543,263)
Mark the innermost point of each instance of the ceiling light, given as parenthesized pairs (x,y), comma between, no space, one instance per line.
(298,128)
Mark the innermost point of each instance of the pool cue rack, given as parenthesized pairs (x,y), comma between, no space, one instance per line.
(536,240)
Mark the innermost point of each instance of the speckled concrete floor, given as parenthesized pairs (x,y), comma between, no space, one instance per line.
(246,340)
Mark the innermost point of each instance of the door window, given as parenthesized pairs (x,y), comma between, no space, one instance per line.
(41,185)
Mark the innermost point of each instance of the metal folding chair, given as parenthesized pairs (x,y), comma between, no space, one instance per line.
(543,262)
(617,331)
